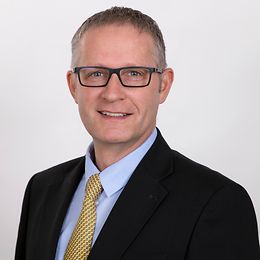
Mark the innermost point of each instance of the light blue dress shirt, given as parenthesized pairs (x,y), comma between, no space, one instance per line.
(113,180)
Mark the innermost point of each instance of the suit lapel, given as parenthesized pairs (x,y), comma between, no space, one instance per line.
(137,203)
(56,203)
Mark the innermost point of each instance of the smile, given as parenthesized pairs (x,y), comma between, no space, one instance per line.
(113,114)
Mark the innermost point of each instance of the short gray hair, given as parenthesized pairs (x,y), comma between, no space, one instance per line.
(122,15)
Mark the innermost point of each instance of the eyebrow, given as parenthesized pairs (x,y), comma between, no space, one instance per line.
(112,67)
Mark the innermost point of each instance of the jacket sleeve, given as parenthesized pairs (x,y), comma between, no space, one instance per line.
(227,228)
(20,251)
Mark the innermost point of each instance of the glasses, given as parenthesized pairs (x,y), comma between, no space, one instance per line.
(96,76)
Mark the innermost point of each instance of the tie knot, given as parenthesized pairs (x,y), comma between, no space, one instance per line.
(94,187)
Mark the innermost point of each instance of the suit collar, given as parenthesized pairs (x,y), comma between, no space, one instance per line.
(158,160)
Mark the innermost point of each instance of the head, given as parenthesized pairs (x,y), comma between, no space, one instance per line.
(122,16)
(117,115)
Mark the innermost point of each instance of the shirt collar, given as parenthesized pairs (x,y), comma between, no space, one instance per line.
(116,176)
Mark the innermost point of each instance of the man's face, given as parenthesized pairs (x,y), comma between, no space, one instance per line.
(101,108)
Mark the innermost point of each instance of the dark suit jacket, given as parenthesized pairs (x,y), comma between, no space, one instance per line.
(171,208)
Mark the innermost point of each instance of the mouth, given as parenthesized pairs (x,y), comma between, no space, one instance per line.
(114,114)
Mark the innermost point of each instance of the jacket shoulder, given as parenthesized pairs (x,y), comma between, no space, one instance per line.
(197,177)
(58,172)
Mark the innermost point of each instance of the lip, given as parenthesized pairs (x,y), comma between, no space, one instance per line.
(113,114)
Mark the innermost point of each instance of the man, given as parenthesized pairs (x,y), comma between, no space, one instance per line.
(146,201)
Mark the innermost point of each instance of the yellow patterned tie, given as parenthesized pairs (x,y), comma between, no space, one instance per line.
(81,239)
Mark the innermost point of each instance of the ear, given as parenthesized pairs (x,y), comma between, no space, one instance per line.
(72,84)
(166,83)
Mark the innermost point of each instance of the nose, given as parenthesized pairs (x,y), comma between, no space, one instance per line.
(114,90)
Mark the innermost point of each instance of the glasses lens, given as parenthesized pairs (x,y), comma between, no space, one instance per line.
(135,76)
(93,77)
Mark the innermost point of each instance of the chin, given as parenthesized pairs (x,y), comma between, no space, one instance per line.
(114,138)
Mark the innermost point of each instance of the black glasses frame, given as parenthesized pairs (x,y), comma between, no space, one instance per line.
(116,71)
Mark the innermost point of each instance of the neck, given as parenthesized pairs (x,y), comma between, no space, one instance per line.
(107,154)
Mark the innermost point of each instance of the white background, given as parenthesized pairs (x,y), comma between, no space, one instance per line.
(211,115)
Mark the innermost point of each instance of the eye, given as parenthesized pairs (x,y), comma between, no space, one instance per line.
(96,74)
(90,76)
(134,73)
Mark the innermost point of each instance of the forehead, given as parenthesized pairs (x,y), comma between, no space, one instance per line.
(122,43)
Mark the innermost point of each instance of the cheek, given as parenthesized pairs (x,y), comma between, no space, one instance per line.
(148,105)
(85,103)
(86,98)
